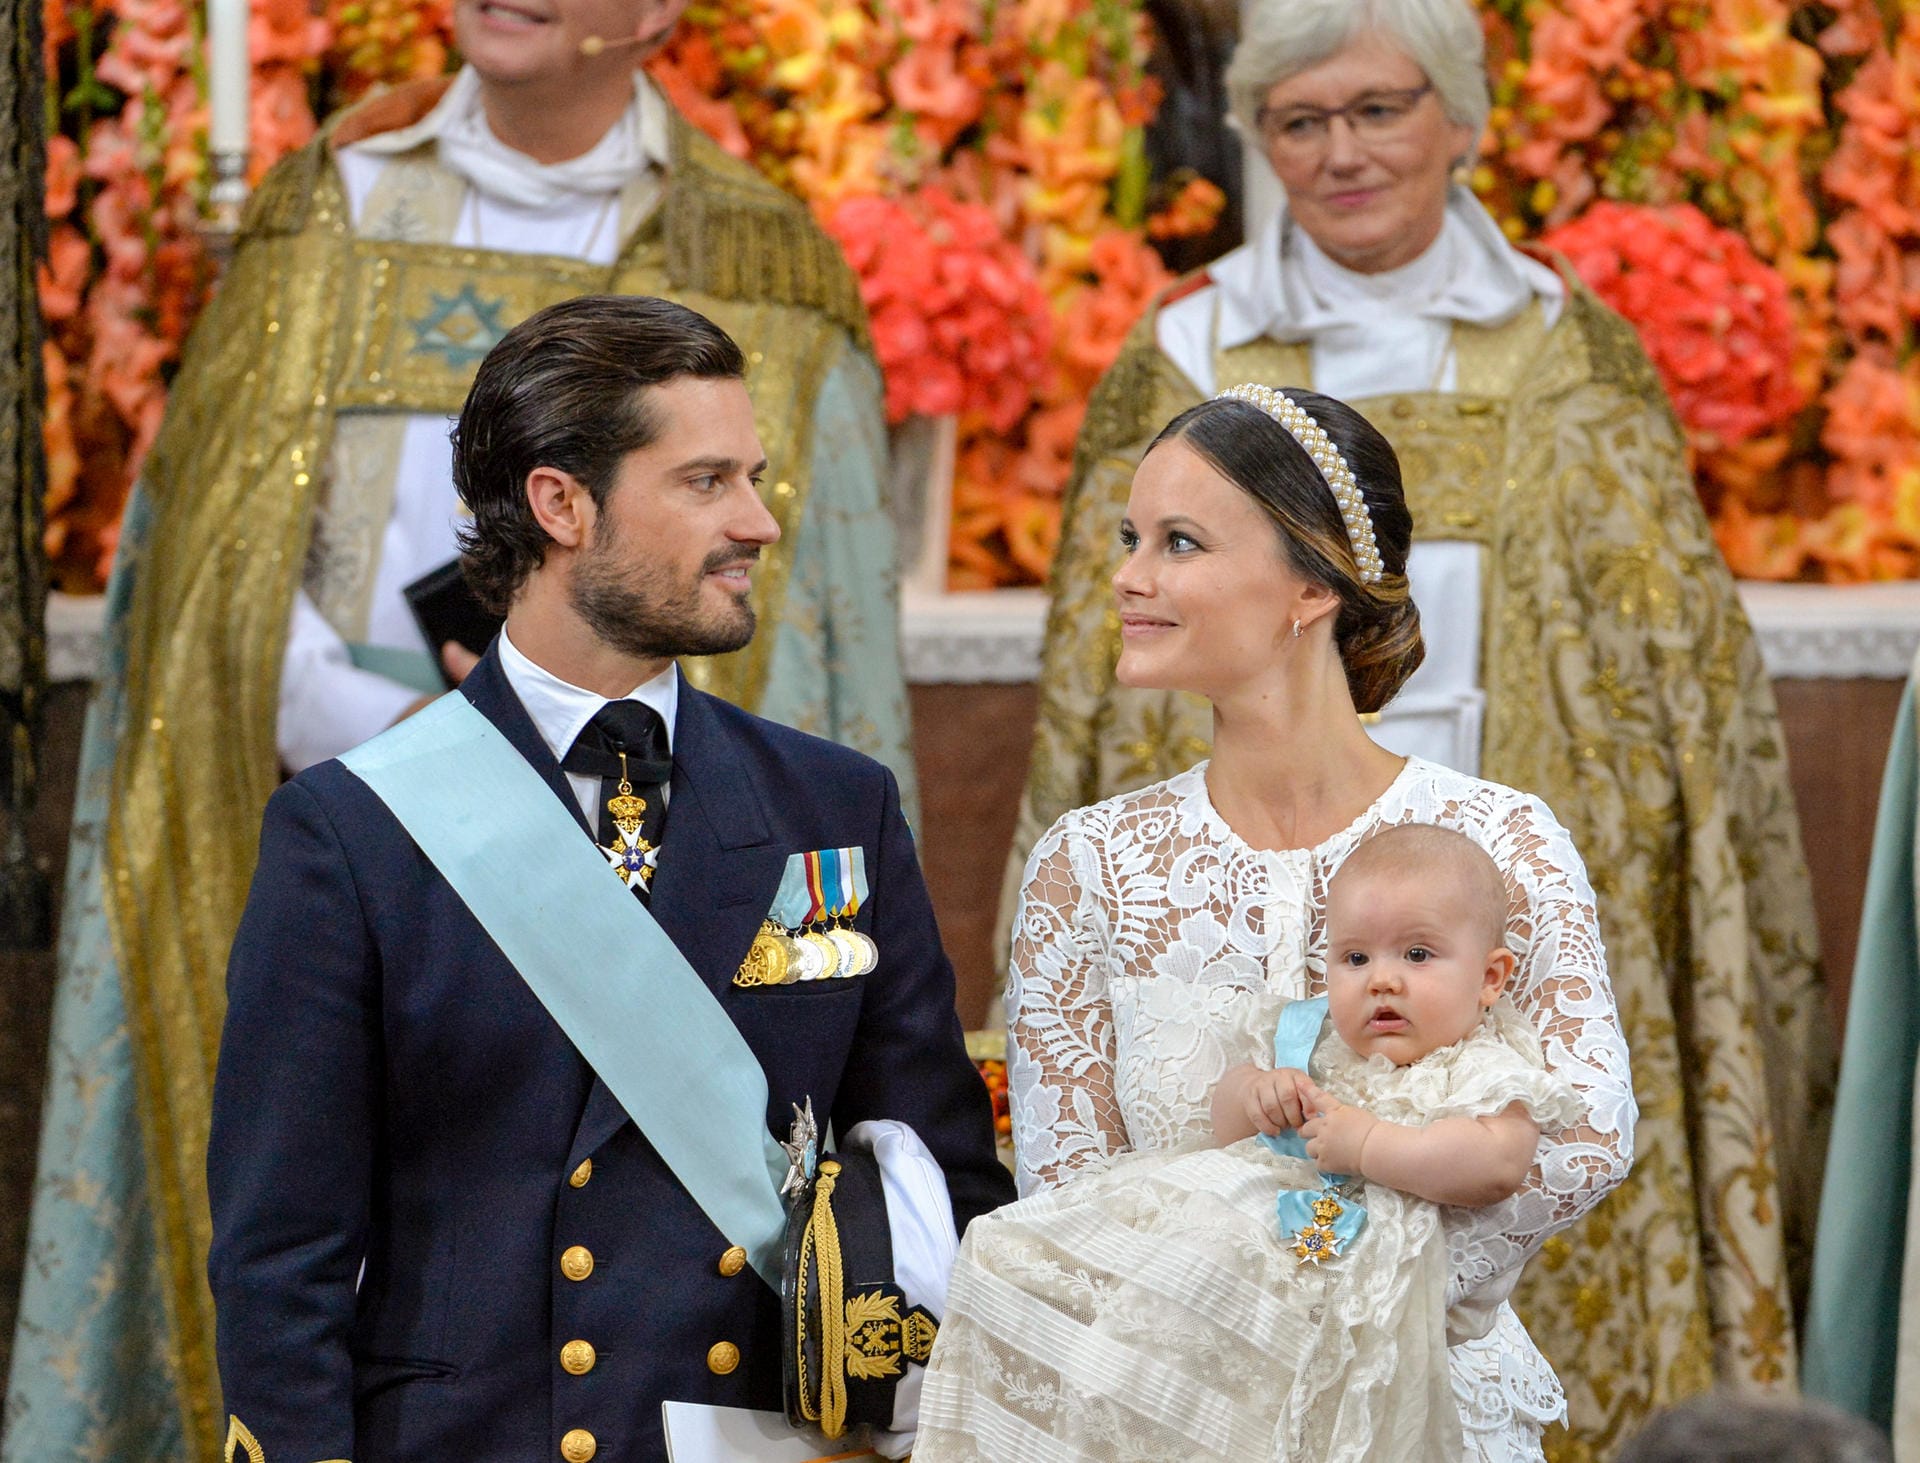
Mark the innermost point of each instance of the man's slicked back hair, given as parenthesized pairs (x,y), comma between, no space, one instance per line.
(567,389)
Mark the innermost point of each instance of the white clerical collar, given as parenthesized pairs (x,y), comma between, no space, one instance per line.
(1284,286)
(561,710)
(467,146)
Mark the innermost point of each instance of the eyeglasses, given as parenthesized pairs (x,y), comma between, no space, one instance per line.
(1376,117)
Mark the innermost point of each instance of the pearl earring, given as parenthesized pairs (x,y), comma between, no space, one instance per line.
(1296,629)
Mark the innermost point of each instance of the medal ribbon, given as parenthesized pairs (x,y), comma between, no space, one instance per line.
(854,873)
(820,884)
(794,899)
(826,883)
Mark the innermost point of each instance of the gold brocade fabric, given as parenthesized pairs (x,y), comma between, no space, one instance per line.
(1624,688)
(311,321)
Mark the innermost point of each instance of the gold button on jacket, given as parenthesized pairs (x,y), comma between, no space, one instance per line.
(578,1357)
(733,1261)
(722,1357)
(578,1178)
(576,1262)
(578,1446)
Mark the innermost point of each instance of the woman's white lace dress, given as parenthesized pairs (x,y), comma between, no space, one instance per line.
(1153,951)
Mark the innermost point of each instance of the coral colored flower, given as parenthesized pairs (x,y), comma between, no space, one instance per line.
(1714,318)
(960,323)
(1191,212)
(56,431)
(63,176)
(63,274)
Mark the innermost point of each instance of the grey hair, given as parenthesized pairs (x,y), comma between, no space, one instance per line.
(1721,1428)
(1279,38)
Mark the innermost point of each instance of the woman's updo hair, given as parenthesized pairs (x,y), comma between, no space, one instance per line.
(1377,628)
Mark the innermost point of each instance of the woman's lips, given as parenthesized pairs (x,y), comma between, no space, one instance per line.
(509,16)
(1134,625)
(1353,198)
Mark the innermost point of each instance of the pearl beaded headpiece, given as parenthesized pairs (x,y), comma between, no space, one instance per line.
(1333,467)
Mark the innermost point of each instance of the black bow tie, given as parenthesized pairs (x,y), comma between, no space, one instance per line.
(622,726)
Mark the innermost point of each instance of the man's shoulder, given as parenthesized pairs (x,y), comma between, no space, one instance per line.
(329,793)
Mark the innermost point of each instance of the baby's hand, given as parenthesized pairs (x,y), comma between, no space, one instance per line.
(1335,1131)
(1273,1100)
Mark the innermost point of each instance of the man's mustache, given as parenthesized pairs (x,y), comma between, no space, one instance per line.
(727,558)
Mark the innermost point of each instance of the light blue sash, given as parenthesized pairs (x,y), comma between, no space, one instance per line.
(1294,1039)
(606,972)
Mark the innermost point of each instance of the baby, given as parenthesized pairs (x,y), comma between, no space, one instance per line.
(1416,959)
(1161,1309)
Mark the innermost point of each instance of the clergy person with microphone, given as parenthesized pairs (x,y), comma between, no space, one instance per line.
(530,989)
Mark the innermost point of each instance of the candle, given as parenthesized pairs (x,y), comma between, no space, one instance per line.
(229,73)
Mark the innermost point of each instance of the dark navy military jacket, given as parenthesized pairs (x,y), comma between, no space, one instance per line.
(391,1093)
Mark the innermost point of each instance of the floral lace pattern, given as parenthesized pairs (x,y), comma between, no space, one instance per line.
(1153,949)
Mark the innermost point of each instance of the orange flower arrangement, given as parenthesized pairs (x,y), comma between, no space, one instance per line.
(1788,124)
(1008,133)
(126,270)
(959,323)
(1715,319)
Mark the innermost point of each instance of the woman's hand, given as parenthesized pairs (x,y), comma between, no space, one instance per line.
(1336,1132)
(1250,1100)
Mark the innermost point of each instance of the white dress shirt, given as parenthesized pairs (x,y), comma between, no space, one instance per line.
(514,205)
(561,710)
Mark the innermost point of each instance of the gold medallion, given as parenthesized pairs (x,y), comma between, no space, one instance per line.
(829,952)
(852,957)
(768,961)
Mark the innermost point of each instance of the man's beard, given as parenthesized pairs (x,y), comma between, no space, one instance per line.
(640,613)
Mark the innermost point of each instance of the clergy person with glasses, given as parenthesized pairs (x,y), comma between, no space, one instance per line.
(1585,644)
(494,1165)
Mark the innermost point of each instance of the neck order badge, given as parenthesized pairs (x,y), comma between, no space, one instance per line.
(630,855)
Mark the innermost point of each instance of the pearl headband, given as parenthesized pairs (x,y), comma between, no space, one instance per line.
(1333,467)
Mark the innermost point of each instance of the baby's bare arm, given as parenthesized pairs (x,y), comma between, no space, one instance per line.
(1249,1100)
(1470,1161)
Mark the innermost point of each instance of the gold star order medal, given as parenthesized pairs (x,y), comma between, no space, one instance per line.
(1317,1242)
(629,855)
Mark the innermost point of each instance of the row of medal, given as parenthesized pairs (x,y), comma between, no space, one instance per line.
(780,956)
(808,933)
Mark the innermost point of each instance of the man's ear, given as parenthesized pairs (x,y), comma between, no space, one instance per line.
(561,505)
(1500,965)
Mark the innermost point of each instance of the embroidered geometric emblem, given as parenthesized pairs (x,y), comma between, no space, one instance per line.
(462,327)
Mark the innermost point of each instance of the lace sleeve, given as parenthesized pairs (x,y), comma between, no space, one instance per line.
(1060,1083)
(1561,985)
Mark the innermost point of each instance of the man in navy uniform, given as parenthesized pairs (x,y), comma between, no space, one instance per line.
(478,1208)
